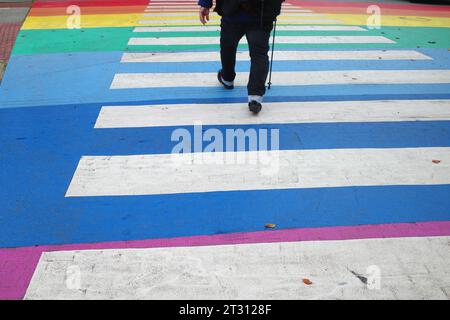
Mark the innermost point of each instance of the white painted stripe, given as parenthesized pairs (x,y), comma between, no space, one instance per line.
(294,78)
(171,22)
(191,14)
(187,15)
(299,14)
(257,170)
(155,41)
(282,112)
(283,10)
(278,56)
(196,8)
(169,5)
(280,28)
(174,6)
(179,5)
(168,14)
(215,21)
(172,2)
(409,268)
(176,29)
(215,17)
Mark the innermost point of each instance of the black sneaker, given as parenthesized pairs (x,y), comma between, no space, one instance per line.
(219,77)
(255,106)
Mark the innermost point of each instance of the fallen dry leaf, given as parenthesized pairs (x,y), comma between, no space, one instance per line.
(436,161)
(307,281)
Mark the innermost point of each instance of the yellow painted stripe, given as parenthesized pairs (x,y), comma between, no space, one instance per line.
(131,20)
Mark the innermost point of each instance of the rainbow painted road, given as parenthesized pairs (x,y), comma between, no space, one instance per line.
(93,207)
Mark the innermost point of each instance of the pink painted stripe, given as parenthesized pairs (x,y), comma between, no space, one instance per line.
(17,265)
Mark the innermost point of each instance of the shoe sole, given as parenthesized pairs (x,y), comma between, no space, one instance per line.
(255,108)
(219,77)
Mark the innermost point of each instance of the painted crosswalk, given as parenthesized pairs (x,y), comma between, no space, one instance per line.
(290,14)
(235,272)
(298,78)
(142,57)
(193,21)
(91,173)
(286,39)
(353,142)
(257,170)
(279,28)
(280,112)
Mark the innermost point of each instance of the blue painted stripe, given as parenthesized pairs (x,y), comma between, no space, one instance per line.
(40,149)
(292,137)
(72,129)
(200,100)
(306,65)
(441,60)
(86,78)
(301,92)
(60,220)
(65,95)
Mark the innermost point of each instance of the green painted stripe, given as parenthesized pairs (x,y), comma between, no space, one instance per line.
(116,39)
(279,33)
(75,40)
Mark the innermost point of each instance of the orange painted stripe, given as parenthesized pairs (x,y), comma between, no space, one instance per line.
(334,5)
(39,12)
(87,3)
(61,11)
(384,11)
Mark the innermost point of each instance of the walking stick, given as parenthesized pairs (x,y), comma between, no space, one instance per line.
(271,59)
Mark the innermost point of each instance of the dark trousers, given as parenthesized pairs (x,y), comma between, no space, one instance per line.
(258,41)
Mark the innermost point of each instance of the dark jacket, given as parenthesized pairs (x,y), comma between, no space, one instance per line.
(257,10)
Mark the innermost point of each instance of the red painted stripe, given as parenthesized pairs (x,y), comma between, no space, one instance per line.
(384,11)
(61,11)
(39,12)
(418,7)
(17,265)
(88,3)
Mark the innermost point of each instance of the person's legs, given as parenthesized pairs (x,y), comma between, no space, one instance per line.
(258,41)
(230,34)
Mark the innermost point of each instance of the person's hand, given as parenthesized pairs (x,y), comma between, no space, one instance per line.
(204,15)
